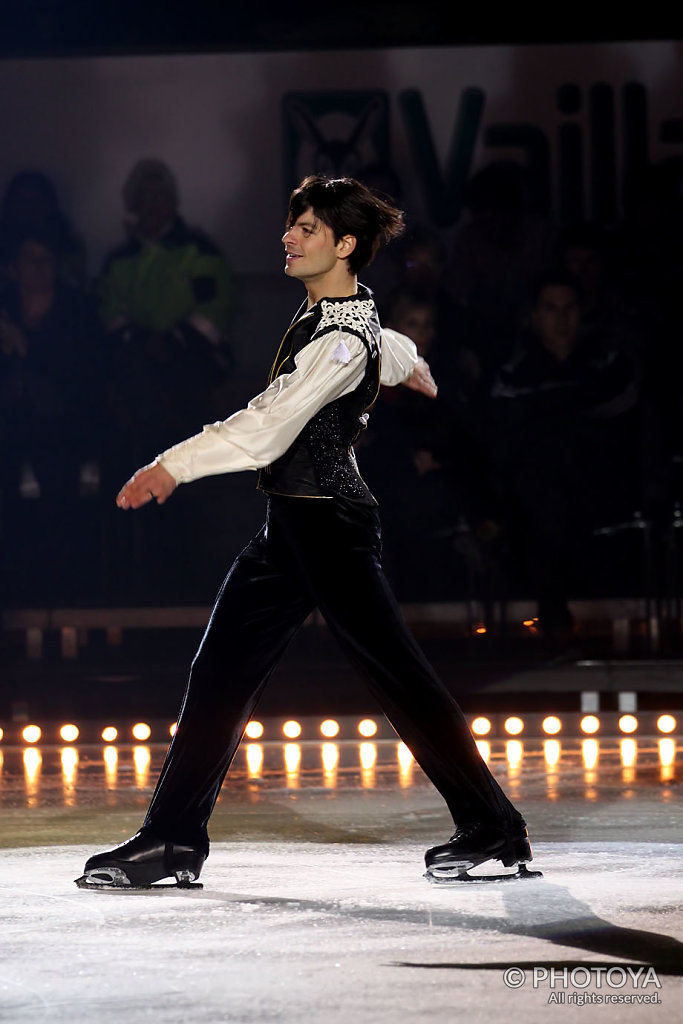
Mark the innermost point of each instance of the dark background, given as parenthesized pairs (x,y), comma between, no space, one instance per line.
(76,27)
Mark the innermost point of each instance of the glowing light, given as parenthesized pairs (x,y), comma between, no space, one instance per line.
(329,728)
(665,723)
(141,759)
(514,751)
(141,731)
(628,750)
(292,729)
(367,727)
(368,754)
(480,630)
(481,726)
(32,733)
(589,752)
(513,726)
(110,756)
(32,763)
(406,762)
(69,733)
(552,725)
(530,623)
(404,755)
(254,760)
(484,748)
(667,751)
(292,763)
(173,729)
(69,757)
(628,723)
(32,760)
(69,760)
(590,724)
(109,734)
(551,752)
(368,759)
(330,757)
(1,734)
(254,730)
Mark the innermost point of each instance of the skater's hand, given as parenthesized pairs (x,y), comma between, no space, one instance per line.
(151,482)
(421,379)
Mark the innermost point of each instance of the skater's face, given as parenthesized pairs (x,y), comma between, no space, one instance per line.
(311,251)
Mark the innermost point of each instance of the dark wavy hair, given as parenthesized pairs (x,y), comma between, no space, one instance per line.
(348,208)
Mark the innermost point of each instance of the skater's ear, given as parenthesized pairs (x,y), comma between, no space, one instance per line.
(345,246)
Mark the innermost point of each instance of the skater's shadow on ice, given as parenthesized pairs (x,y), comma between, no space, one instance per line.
(561,919)
(539,910)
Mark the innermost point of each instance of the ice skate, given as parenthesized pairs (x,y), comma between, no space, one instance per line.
(141,863)
(473,844)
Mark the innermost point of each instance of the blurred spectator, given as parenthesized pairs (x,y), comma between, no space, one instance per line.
(30,205)
(500,249)
(413,477)
(585,253)
(420,256)
(566,437)
(166,298)
(50,350)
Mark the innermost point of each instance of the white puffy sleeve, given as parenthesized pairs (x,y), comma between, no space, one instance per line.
(399,357)
(327,368)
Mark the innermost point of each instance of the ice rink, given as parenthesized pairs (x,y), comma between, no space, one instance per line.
(314,907)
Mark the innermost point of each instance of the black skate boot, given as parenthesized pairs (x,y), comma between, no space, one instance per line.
(472,844)
(141,861)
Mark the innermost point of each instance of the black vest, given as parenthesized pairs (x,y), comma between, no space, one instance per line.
(320,463)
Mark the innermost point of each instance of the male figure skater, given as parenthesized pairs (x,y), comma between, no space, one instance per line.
(320,546)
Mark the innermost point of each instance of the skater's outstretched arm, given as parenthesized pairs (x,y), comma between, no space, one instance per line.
(258,434)
(255,436)
(402,365)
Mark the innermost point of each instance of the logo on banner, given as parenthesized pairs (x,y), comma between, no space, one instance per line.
(334,133)
(578,164)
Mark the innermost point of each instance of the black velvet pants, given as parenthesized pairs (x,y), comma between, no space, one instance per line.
(325,553)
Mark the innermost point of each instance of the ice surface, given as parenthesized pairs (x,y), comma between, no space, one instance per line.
(339,933)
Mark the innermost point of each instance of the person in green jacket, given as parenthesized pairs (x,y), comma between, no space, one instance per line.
(166,298)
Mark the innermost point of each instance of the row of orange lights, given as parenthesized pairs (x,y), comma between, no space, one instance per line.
(367,727)
(552,725)
(141,731)
(70,733)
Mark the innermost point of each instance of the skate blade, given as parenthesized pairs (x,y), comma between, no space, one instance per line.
(118,881)
(458,875)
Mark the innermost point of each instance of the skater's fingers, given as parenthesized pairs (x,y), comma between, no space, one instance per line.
(137,491)
(152,482)
(133,496)
(421,380)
